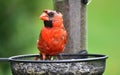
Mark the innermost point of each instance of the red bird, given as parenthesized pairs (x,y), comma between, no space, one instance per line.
(53,35)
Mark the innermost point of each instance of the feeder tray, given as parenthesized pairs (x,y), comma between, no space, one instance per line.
(65,64)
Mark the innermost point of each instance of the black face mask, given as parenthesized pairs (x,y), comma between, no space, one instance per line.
(48,24)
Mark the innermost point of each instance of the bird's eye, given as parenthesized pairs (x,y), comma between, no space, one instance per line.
(50,14)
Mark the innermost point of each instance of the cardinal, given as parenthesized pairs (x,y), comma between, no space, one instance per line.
(53,36)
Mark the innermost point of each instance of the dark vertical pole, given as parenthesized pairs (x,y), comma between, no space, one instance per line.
(74,15)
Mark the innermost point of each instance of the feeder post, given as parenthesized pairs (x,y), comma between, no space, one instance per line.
(74,15)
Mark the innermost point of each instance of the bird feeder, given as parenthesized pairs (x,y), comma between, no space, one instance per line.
(74,60)
(68,64)
(74,15)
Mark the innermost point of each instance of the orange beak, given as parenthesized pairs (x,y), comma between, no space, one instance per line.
(44,16)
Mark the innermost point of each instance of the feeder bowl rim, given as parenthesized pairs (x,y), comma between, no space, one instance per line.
(95,58)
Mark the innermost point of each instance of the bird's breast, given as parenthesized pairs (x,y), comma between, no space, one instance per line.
(52,40)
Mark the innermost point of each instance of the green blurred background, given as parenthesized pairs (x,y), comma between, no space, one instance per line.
(20,27)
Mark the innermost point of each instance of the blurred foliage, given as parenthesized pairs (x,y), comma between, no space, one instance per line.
(20,27)
(104,32)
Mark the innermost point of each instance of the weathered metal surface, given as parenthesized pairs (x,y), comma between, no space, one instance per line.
(74,15)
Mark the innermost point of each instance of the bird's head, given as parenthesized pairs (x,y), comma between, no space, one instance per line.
(52,18)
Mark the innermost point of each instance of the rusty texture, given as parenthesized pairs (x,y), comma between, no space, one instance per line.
(74,15)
